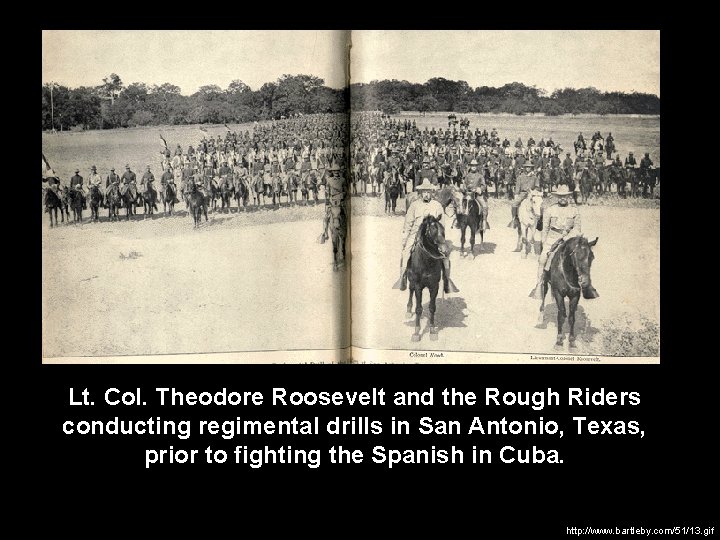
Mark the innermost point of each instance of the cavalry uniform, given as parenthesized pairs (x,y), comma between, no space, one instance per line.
(414,217)
(112,179)
(428,173)
(129,182)
(526,182)
(630,162)
(558,224)
(475,183)
(76,179)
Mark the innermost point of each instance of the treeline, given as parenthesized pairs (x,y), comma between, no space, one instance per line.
(439,94)
(113,104)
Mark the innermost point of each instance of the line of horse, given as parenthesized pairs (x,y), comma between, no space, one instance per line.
(218,194)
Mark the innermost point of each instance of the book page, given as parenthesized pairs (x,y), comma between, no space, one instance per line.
(212,152)
(482,121)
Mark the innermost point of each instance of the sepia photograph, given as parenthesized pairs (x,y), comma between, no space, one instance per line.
(366,196)
(508,196)
(193,198)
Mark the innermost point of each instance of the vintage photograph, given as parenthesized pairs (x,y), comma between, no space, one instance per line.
(193,196)
(506,196)
(328,196)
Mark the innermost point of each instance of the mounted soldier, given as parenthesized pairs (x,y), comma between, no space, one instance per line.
(474,183)
(559,222)
(335,195)
(424,206)
(526,182)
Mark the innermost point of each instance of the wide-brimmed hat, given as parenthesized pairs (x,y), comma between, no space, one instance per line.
(426,185)
(77,171)
(473,162)
(563,190)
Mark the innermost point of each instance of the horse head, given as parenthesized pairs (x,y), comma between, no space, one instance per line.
(581,255)
(536,200)
(432,235)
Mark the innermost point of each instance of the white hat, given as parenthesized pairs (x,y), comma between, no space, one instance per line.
(563,190)
(426,185)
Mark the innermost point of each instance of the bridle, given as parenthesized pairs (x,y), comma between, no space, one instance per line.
(419,242)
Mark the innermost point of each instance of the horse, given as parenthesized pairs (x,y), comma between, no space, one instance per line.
(258,190)
(526,223)
(587,184)
(277,189)
(392,191)
(198,205)
(53,202)
(149,200)
(610,148)
(226,194)
(129,200)
(77,201)
(425,269)
(96,200)
(473,218)
(168,193)
(242,193)
(113,199)
(569,275)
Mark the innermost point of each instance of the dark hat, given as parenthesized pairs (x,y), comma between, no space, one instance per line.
(112,169)
(77,171)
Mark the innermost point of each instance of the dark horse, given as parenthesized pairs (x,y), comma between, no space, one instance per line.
(77,201)
(569,275)
(198,204)
(425,269)
(473,219)
(53,202)
(392,191)
(113,200)
(168,194)
(96,200)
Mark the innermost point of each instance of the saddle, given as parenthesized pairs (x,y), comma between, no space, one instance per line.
(551,254)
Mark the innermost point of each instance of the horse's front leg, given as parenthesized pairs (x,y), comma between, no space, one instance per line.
(431,308)
(462,241)
(571,319)
(418,312)
(472,241)
(561,316)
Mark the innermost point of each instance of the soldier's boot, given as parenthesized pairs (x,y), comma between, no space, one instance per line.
(514,212)
(448,285)
(537,291)
(401,283)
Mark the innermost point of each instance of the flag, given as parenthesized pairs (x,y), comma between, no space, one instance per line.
(164,141)
(47,170)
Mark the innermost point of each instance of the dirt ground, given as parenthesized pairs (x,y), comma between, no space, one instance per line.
(492,312)
(260,281)
(158,286)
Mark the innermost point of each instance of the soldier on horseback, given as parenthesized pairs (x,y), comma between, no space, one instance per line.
(474,181)
(524,184)
(560,221)
(419,209)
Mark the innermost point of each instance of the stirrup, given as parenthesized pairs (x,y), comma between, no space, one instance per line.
(536,293)
(449,287)
(401,283)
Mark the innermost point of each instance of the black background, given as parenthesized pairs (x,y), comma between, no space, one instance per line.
(658,481)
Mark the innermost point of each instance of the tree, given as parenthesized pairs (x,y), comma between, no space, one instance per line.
(111,87)
(237,87)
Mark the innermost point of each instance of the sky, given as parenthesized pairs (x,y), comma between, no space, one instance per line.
(618,60)
(191,59)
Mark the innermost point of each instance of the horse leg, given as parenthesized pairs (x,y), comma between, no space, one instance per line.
(472,241)
(418,313)
(410,302)
(562,315)
(462,240)
(571,319)
(431,308)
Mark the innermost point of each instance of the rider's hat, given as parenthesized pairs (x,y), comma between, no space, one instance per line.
(77,171)
(112,169)
(528,164)
(93,168)
(426,186)
(425,160)
(474,162)
(127,166)
(563,190)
